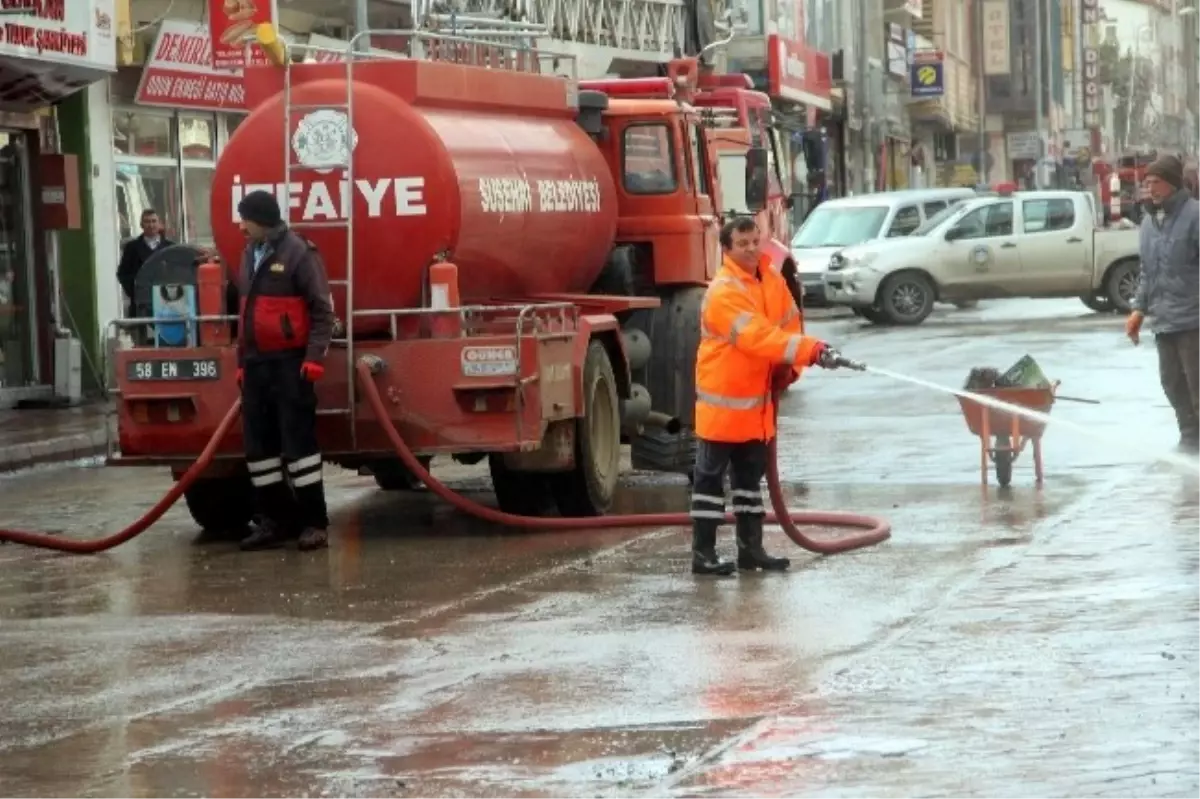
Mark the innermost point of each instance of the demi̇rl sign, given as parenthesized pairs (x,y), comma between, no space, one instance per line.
(179,72)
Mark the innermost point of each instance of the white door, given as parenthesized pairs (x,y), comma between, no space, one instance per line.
(1055,247)
(982,255)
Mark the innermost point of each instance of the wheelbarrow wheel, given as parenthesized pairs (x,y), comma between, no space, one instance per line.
(1002,455)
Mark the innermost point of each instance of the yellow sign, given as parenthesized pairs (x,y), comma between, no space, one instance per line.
(926,76)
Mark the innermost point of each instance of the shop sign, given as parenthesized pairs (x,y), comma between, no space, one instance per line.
(795,71)
(231,22)
(997,48)
(67,32)
(179,72)
(1091,63)
(927,75)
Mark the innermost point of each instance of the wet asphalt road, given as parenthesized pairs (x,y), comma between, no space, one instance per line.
(1018,642)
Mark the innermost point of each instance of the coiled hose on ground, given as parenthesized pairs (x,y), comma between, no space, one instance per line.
(875,529)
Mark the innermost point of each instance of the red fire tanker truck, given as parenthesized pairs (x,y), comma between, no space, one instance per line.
(524,256)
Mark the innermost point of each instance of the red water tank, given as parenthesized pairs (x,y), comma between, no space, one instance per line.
(487,168)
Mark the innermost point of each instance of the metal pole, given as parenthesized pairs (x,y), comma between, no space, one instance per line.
(361,23)
(864,98)
(1039,88)
(983,170)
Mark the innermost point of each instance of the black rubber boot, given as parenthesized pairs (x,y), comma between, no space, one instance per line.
(704,550)
(267,535)
(751,554)
(313,538)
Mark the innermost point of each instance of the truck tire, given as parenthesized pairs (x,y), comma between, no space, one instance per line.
(674,332)
(588,489)
(518,493)
(1100,303)
(393,475)
(1122,282)
(222,506)
(907,298)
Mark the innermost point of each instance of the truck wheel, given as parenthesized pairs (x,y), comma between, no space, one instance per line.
(588,489)
(393,475)
(518,493)
(1100,303)
(906,298)
(1122,283)
(669,376)
(222,506)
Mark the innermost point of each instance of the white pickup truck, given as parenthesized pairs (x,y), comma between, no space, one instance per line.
(1024,244)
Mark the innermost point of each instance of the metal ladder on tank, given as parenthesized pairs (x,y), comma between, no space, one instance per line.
(289,168)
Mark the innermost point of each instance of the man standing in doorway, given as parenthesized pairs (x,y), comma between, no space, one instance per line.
(751,348)
(138,250)
(1169,291)
(284,334)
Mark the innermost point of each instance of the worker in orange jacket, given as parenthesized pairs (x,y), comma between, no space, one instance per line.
(750,348)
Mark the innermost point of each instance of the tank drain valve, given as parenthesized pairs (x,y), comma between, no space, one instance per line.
(832,359)
(374,363)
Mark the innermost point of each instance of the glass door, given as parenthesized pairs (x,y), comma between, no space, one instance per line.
(18,300)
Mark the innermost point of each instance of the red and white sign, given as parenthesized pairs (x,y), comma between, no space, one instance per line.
(795,71)
(231,21)
(179,71)
(67,32)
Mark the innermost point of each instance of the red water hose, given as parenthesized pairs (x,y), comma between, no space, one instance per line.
(876,530)
(90,547)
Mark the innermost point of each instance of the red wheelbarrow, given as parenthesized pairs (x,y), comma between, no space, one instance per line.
(1002,434)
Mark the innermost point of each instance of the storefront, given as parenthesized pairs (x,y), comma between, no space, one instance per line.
(50,52)
(171,118)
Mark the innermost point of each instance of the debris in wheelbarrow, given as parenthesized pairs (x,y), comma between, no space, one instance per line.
(1002,434)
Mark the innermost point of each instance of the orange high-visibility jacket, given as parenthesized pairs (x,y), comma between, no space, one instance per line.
(748,326)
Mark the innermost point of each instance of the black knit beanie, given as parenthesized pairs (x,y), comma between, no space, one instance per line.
(261,208)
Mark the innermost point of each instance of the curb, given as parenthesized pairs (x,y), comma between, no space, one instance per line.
(54,450)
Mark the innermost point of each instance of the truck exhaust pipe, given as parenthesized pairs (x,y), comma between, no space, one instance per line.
(669,424)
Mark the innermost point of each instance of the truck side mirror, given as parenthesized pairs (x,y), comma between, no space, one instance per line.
(756,179)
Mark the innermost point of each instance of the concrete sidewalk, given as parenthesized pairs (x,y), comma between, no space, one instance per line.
(44,435)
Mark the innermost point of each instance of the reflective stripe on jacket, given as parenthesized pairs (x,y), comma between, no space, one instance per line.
(748,326)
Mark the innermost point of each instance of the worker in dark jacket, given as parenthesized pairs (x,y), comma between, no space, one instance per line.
(138,250)
(287,323)
(1169,291)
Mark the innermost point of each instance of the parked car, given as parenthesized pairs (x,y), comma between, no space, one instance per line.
(847,221)
(1023,244)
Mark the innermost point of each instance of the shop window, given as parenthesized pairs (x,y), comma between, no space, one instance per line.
(649,160)
(142,186)
(197,196)
(197,138)
(144,135)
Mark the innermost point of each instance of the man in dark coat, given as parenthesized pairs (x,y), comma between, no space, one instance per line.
(286,326)
(138,250)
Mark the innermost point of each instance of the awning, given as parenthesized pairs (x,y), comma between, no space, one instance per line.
(49,50)
(27,84)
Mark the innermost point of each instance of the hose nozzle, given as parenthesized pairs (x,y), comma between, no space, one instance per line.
(832,359)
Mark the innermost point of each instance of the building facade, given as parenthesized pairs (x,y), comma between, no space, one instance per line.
(50,53)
